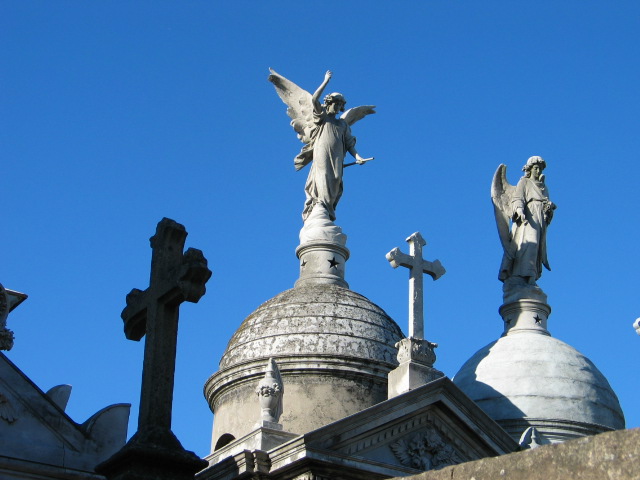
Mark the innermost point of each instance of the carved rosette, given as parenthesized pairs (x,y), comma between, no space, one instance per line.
(416,350)
(425,451)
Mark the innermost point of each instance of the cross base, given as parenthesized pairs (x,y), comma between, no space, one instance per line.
(416,357)
(156,455)
(409,376)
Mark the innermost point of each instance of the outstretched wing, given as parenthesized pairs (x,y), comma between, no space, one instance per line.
(501,193)
(354,114)
(298,101)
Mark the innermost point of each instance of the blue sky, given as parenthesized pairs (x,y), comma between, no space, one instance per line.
(116,114)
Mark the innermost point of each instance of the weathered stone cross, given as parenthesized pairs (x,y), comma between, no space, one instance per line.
(417,266)
(175,278)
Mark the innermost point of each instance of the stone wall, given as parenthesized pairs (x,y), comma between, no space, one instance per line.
(608,456)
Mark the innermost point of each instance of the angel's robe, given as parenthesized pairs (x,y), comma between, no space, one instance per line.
(331,140)
(529,241)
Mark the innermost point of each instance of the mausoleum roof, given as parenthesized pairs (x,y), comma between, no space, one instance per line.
(531,378)
(334,349)
(315,320)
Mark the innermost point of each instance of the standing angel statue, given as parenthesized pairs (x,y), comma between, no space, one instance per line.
(326,136)
(528,207)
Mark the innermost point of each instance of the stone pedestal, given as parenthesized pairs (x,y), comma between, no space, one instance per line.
(323,251)
(322,263)
(263,438)
(416,357)
(152,456)
(525,315)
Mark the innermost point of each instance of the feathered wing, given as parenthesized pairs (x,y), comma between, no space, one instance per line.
(501,193)
(354,114)
(300,110)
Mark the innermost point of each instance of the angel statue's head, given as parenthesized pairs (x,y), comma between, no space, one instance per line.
(533,161)
(336,99)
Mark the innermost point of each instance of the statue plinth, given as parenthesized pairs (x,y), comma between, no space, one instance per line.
(322,251)
(322,263)
(525,315)
(416,357)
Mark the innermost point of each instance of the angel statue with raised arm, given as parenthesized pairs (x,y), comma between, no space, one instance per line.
(528,207)
(327,138)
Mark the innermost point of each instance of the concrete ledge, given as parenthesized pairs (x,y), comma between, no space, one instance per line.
(608,456)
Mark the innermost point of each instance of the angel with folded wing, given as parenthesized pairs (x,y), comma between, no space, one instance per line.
(327,138)
(528,207)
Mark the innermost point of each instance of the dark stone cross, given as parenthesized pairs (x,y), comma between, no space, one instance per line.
(176,277)
(417,266)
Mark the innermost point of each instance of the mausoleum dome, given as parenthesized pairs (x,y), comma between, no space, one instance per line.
(529,378)
(333,347)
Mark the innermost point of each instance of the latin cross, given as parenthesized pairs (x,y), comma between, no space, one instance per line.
(176,277)
(417,266)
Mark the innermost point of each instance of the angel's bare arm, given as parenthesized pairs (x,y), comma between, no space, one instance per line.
(315,99)
(356,155)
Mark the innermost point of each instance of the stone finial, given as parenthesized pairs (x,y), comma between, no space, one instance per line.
(532,438)
(9,299)
(270,391)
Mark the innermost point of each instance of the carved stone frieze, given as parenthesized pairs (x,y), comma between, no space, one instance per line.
(425,451)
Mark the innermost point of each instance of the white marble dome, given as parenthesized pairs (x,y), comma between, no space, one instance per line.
(532,379)
(333,347)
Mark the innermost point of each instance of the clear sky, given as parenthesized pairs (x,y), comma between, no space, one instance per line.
(116,114)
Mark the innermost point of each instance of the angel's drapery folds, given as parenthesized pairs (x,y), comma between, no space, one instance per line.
(327,140)
(525,246)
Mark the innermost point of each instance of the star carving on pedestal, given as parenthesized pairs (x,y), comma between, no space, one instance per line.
(333,263)
(537,319)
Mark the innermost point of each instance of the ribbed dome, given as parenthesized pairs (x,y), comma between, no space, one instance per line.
(334,349)
(531,379)
(315,320)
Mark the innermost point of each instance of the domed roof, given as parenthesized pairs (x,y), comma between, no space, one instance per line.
(315,320)
(333,347)
(532,379)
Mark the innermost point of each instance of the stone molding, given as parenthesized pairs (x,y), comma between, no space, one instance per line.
(412,427)
(249,372)
(556,430)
